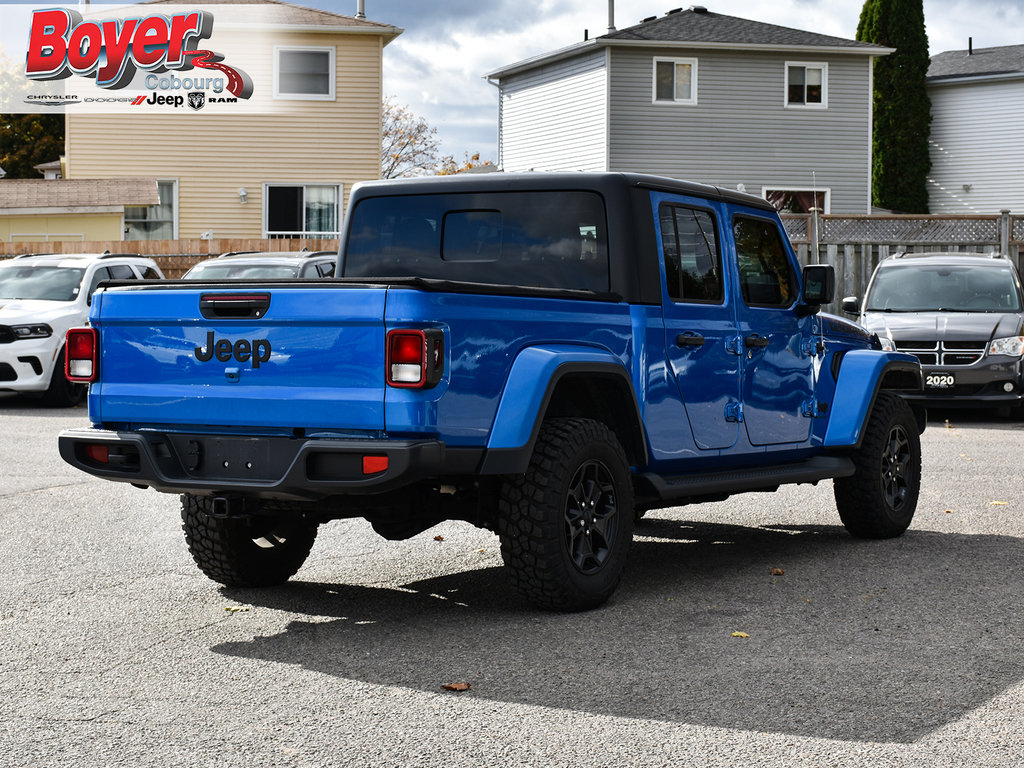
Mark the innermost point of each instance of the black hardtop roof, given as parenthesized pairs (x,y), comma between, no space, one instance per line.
(546,182)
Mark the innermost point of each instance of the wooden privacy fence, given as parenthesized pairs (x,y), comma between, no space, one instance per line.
(855,244)
(173,256)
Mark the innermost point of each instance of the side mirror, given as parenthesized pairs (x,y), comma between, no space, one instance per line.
(850,305)
(819,285)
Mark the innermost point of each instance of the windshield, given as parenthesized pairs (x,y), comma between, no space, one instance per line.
(931,288)
(39,282)
(234,271)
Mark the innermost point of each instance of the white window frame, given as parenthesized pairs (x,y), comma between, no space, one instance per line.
(331,67)
(674,61)
(175,210)
(823,66)
(267,234)
(827,191)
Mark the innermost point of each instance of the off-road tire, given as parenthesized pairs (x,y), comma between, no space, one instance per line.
(62,393)
(878,501)
(256,551)
(567,523)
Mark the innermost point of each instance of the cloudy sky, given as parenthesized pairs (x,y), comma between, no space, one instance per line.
(436,67)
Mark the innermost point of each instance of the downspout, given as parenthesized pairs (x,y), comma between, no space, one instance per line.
(501,159)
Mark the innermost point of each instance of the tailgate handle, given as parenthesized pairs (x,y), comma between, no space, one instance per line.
(214,306)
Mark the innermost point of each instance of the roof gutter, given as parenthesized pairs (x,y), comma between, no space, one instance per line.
(870,50)
(940,80)
(603,42)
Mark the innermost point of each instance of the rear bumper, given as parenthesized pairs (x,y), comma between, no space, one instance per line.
(267,467)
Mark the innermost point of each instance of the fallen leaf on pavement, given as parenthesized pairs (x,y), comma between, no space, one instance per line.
(459,687)
(740,634)
(997,503)
(778,572)
(439,538)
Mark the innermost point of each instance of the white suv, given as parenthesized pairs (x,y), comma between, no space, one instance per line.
(40,298)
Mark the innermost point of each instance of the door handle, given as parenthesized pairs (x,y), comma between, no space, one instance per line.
(755,341)
(689,339)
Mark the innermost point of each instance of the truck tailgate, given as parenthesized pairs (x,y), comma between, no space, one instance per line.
(299,357)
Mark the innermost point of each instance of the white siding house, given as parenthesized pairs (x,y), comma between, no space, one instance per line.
(541,129)
(777,112)
(977,134)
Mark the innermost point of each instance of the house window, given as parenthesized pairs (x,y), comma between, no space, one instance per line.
(301,210)
(797,200)
(675,81)
(154,222)
(806,85)
(304,73)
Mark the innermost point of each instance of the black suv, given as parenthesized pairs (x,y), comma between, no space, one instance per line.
(961,314)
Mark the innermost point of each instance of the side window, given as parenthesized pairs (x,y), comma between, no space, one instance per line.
(693,264)
(121,272)
(766,276)
(101,274)
(148,273)
(325,268)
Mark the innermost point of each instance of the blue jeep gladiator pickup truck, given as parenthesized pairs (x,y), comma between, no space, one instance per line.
(543,355)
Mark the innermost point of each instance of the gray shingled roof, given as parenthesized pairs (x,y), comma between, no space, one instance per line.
(709,27)
(1004,60)
(74,193)
(698,29)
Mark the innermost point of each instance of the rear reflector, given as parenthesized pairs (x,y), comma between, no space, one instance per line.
(98,453)
(374,464)
(81,347)
(415,358)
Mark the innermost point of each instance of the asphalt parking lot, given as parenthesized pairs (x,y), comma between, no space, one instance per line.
(118,651)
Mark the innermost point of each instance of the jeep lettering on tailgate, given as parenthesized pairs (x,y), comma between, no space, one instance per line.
(243,350)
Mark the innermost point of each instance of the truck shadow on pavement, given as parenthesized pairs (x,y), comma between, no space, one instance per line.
(873,641)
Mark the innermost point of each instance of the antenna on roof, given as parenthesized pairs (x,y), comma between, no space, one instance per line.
(611,16)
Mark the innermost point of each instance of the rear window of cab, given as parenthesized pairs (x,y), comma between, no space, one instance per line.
(554,239)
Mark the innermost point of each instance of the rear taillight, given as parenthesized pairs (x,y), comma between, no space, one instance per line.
(82,353)
(415,358)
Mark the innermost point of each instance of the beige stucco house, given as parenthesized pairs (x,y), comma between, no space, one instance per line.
(229,171)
